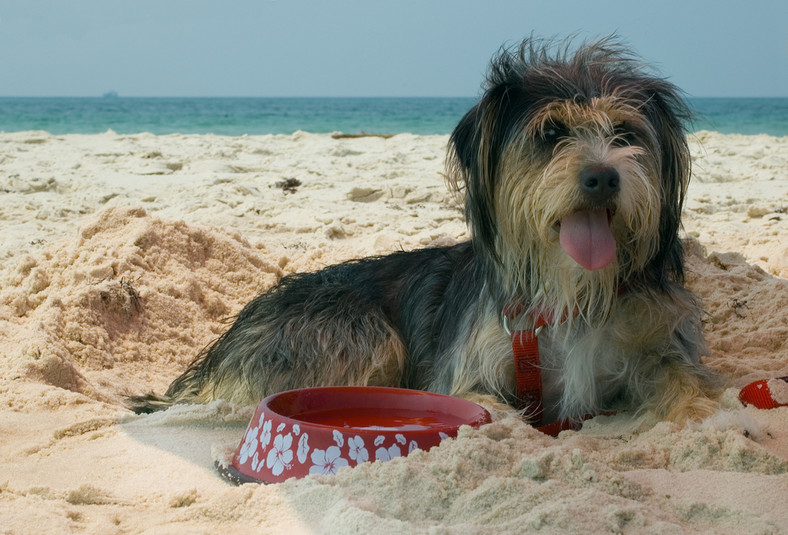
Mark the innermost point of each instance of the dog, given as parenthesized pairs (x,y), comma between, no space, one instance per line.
(573,166)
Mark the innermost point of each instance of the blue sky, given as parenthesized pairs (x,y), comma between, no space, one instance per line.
(365,47)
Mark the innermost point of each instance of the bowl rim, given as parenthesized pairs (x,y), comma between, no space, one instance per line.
(480,415)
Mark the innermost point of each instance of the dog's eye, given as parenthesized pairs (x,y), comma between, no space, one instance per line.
(553,132)
(623,135)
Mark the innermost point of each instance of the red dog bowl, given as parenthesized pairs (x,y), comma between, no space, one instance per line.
(320,430)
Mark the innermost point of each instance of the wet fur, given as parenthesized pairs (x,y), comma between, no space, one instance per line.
(431,319)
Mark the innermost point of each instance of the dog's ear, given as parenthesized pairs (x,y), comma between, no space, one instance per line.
(668,114)
(478,142)
(475,149)
(463,150)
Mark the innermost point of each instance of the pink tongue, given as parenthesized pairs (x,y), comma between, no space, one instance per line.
(586,237)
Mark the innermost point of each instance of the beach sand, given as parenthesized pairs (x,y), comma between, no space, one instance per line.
(123,255)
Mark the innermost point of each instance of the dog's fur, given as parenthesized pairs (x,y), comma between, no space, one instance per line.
(553,126)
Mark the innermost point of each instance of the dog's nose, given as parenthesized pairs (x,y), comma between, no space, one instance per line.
(600,183)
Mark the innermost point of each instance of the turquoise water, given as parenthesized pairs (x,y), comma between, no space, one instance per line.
(238,116)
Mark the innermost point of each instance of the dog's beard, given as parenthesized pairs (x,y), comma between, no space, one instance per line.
(550,283)
(534,200)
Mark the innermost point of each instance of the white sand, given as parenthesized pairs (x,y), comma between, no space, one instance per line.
(121,256)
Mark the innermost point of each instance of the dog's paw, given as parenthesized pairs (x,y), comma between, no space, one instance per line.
(693,410)
(683,395)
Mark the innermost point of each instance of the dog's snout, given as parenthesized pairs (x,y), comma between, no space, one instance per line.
(600,183)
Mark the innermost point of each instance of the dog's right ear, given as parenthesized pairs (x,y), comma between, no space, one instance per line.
(463,151)
(471,166)
(478,144)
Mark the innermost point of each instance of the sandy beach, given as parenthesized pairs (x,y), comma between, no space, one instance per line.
(123,255)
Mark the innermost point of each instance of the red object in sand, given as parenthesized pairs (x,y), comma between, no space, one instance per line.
(320,430)
(759,395)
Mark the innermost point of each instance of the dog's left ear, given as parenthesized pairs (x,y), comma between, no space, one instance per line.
(669,114)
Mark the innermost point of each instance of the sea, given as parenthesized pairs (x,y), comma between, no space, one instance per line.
(252,116)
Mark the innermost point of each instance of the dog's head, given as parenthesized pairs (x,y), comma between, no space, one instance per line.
(574,166)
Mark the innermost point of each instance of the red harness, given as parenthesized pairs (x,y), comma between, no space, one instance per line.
(528,372)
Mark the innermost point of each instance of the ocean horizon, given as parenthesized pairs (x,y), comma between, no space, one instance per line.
(235,116)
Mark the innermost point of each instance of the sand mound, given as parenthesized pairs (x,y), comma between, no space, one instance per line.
(131,298)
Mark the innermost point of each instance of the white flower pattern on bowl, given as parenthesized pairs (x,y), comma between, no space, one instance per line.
(280,455)
(327,461)
(386,454)
(356,450)
(265,436)
(250,444)
(338,438)
(258,452)
(256,464)
(303,447)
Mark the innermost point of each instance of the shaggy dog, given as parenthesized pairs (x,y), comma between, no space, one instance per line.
(573,166)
